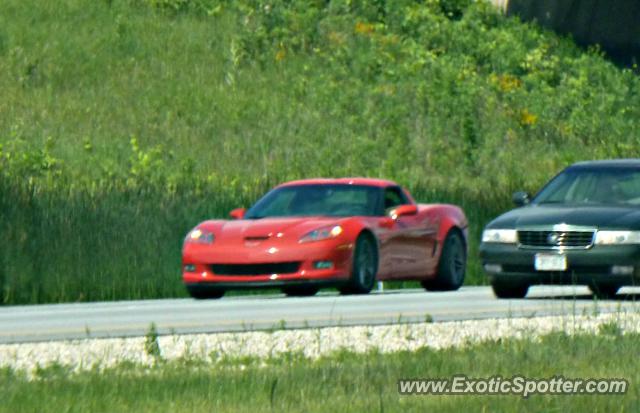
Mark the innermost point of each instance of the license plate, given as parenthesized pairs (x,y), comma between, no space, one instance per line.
(550,262)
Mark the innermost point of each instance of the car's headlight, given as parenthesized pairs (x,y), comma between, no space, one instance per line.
(320,234)
(200,236)
(502,236)
(617,237)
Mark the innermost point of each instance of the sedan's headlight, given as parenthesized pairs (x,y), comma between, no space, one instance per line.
(502,236)
(320,234)
(200,236)
(617,237)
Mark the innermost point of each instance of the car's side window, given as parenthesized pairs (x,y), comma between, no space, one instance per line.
(393,196)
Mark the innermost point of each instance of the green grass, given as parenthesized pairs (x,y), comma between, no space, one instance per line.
(123,123)
(341,382)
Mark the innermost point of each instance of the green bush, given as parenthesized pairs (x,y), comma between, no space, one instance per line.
(125,122)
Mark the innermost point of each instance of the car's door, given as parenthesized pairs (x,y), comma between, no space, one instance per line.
(408,242)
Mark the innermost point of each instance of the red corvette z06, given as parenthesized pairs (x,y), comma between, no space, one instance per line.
(345,233)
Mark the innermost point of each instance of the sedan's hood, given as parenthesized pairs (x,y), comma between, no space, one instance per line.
(590,216)
(268,227)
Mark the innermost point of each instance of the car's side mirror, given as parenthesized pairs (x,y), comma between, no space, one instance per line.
(520,198)
(237,213)
(403,210)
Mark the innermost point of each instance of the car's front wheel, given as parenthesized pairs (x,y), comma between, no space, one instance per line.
(203,292)
(300,291)
(504,289)
(365,266)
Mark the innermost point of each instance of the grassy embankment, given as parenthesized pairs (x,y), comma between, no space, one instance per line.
(341,382)
(125,122)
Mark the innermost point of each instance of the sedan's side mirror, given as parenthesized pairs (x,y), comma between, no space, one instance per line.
(402,210)
(237,213)
(520,198)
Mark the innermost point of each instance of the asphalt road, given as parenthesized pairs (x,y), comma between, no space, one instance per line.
(243,313)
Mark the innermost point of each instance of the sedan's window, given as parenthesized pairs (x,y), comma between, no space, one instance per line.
(318,200)
(629,188)
(593,186)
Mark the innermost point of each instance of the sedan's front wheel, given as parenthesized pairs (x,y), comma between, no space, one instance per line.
(604,291)
(503,289)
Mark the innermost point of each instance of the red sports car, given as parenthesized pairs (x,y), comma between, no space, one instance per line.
(345,233)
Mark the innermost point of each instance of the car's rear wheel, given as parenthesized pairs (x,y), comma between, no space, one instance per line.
(506,289)
(203,292)
(365,266)
(300,291)
(604,291)
(452,265)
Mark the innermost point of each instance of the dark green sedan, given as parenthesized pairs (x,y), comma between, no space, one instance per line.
(582,228)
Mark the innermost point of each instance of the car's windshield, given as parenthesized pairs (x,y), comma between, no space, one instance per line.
(593,186)
(318,200)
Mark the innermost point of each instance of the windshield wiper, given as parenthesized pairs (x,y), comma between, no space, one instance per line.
(550,202)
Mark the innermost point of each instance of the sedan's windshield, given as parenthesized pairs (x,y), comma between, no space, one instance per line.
(318,200)
(593,186)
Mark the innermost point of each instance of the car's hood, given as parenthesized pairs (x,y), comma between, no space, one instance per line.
(268,227)
(599,216)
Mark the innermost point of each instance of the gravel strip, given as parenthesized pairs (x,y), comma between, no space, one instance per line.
(103,353)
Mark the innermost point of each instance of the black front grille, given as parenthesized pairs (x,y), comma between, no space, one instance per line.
(256,269)
(577,269)
(556,239)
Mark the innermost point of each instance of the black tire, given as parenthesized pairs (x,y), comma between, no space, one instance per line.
(504,289)
(604,291)
(452,265)
(204,292)
(300,291)
(365,266)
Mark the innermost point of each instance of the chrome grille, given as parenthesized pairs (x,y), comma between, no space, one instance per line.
(555,239)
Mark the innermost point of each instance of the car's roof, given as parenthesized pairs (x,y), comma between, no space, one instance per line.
(608,163)
(342,181)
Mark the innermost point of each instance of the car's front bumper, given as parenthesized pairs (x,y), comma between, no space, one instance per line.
(199,265)
(598,264)
(244,285)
